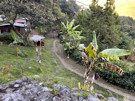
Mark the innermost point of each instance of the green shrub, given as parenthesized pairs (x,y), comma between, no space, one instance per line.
(22,53)
(6,37)
(77,56)
(56,81)
(85,95)
(122,64)
(127,80)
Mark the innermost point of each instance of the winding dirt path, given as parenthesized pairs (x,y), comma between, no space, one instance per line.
(80,73)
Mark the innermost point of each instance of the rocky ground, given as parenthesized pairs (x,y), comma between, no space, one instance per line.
(26,89)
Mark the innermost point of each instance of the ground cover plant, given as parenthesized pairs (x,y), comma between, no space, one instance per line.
(52,70)
(28,66)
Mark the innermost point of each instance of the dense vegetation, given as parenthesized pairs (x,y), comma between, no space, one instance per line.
(111,30)
(127,80)
(44,15)
(76,26)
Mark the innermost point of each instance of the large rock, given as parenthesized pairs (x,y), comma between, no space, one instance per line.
(3,87)
(46,89)
(13,97)
(63,90)
(26,89)
(75,89)
(112,99)
(100,96)
(59,87)
(24,79)
(61,99)
(45,97)
(92,98)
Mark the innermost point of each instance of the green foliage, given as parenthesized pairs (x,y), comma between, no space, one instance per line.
(122,64)
(43,13)
(94,41)
(126,81)
(76,55)
(22,53)
(41,30)
(71,38)
(84,87)
(27,66)
(55,92)
(68,27)
(127,42)
(85,95)
(69,7)
(16,38)
(6,37)
(6,69)
(68,46)
(114,53)
(56,81)
(104,21)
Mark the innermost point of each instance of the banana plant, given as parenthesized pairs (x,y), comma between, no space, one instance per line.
(107,54)
(76,35)
(16,40)
(68,47)
(67,28)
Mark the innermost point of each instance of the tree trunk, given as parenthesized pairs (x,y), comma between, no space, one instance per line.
(17,32)
(93,79)
(86,75)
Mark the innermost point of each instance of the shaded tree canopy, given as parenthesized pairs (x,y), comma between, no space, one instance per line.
(69,7)
(105,22)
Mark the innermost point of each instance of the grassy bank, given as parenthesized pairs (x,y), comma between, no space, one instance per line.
(52,70)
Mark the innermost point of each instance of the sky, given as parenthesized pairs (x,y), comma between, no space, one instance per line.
(101,2)
(87,2)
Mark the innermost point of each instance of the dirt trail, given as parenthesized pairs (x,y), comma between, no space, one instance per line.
(101,84)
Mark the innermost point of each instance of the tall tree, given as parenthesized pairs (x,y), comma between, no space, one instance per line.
(69,7)
(103,20)
(41,13)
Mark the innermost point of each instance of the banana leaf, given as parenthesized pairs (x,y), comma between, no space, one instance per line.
(74,28)
(114,53)
(13,34)
(91,50)
(94,41)
(71,23)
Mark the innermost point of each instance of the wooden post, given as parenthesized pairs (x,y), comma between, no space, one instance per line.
(38,58)
(36,39)
(39,62)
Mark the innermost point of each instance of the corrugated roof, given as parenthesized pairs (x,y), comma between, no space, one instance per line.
(37,38)
(20,25)
(15,24)
(20,20)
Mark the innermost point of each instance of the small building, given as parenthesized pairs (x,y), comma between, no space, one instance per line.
(22,21)
(20,24)
(7,28)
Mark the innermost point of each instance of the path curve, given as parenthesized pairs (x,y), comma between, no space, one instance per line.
(69,67)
